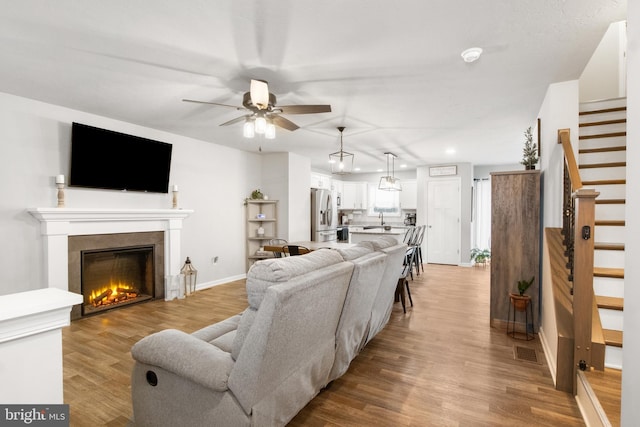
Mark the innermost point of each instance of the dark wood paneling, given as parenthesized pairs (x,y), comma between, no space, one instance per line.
(515,239)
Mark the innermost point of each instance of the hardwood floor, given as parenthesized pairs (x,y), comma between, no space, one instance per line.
(440,364)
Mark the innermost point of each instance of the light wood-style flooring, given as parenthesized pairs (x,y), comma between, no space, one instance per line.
(440,364)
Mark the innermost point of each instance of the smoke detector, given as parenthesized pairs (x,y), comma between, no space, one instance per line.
(471,54)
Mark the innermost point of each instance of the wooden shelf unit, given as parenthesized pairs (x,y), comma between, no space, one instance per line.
(268,208)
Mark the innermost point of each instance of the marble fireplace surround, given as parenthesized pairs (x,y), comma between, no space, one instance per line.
(57,224)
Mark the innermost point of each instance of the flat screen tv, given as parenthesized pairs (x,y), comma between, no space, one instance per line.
(102,158)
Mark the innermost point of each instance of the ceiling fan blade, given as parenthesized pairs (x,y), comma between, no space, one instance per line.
(259,94)
(304,109)
(236,120)
(215,103)
(284,123)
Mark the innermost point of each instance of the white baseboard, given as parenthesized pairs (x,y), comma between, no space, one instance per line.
(211,284)
(592,413)
(551,360)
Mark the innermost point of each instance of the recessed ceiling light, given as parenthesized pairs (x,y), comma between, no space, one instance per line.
(379,170)
(356,169)
(451,151)
(471,54)
(403,165)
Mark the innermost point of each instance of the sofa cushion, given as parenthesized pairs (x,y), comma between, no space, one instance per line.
(384,242)
(266,273)
(353,328)
(384,299)
(246,320)
(269,272)
(225,342)
(357,251)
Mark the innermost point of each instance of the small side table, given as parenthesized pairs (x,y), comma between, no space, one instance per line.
(520,304)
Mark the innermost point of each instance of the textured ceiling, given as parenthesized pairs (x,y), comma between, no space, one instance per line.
(391,70)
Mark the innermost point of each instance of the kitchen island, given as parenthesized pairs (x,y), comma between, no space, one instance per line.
(359,234)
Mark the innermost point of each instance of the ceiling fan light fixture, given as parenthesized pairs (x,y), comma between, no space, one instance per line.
(259,91)
(472,54)
(270,131)
(260,125)
(248,130)
(390,182)
(341,161)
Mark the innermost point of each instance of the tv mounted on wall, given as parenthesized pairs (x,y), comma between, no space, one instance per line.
(102,158)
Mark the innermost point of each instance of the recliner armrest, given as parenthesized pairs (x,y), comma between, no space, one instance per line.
(186,356)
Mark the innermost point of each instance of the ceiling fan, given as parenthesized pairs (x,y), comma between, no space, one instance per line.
(261,105)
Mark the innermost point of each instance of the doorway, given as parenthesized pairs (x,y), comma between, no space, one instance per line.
(443,221)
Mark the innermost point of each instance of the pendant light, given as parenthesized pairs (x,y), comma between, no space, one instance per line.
(390,182)
(341,161)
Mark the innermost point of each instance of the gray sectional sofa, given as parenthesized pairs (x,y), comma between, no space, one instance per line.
(308,317)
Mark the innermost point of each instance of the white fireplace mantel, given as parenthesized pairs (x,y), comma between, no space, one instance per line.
(57,224)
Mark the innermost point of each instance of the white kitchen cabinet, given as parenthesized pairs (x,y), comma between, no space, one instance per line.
(319,180)
(409,194)
(354,195)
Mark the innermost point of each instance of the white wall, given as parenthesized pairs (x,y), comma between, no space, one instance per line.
(559,110)
(286,177)
(35,141)
(631,345)
(484,171)
(299,198)
(603,77)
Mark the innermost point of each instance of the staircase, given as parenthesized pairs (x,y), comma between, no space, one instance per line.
(602,164)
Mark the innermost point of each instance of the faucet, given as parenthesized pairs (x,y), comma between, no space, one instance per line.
(381,216)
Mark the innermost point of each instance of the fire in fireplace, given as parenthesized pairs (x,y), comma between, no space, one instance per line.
(112,278)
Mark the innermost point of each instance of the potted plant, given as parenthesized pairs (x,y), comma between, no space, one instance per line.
(257,195)
(530,151)
(480,256)
(520,300)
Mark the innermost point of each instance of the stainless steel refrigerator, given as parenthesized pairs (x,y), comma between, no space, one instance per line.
(324,216)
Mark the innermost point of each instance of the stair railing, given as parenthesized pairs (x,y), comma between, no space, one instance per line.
(578,231)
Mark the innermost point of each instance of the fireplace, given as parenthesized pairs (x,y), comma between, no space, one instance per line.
(115,270)
(112,278)
(68,231)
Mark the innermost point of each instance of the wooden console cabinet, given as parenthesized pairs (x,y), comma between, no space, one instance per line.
(515,240)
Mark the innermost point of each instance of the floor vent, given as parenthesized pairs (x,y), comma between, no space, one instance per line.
(525,354)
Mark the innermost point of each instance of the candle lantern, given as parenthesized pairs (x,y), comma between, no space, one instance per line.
(189,277)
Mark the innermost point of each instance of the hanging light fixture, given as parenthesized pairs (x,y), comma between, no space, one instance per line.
(248,130)
(270,131)
(260,124)
(341,161)
(390,182)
